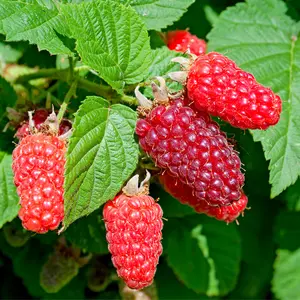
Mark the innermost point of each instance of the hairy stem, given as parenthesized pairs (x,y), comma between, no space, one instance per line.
(66,75)
(71,92)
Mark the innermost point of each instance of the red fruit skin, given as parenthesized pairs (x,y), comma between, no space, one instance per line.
(218,86)
(38,166)
(134,225)
(192,149)
(184,194)
(230,212)
(182,41)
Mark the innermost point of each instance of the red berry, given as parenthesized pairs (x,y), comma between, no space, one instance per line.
(218,86)
(184,194)
(134,225)
(182,40)
(192,149)
(38,165)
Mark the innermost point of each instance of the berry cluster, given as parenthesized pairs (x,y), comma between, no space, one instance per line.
(199,165)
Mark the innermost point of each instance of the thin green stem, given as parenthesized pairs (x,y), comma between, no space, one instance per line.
(129,100)
(64,75)
(71,92)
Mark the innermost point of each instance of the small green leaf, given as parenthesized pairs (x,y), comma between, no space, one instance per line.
(158,14)
(58,271)
(36,22)
(270,50)
(285,284)
(111,39)
(102,154)
(9,204)
(199,261)
(162,66)
(89,234)
(8,54)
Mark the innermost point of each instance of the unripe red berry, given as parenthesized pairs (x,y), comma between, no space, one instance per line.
(38,165)
(134,225)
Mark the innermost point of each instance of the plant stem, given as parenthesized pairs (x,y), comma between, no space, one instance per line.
(129,100)
(65,76)
(71,92)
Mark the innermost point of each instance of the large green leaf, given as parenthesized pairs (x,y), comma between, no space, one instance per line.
(285,284)
(158,14)
(169,287)
(263,40)
(102,154)
(112,39)
(256,227)
(38,22)
(9,204)
(208,256)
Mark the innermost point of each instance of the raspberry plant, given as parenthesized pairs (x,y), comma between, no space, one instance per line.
(98,68)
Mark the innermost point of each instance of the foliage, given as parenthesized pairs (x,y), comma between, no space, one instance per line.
(94,53)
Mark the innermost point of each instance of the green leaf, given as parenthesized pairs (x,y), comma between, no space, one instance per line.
(158,14)
(111,39)
(162,66)
(9,204)
(209,254)
(58,271)
(102,154)
(169,287)
(256,227)
(292,196)
(89,234)
(285,284)
(35,21)
(270,50)
(287,227)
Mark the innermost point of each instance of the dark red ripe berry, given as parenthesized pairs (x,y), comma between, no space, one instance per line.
(184,194)
(38,165)
(134,225)
(193,150)
(39,117)
(182,40)
(218,86)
